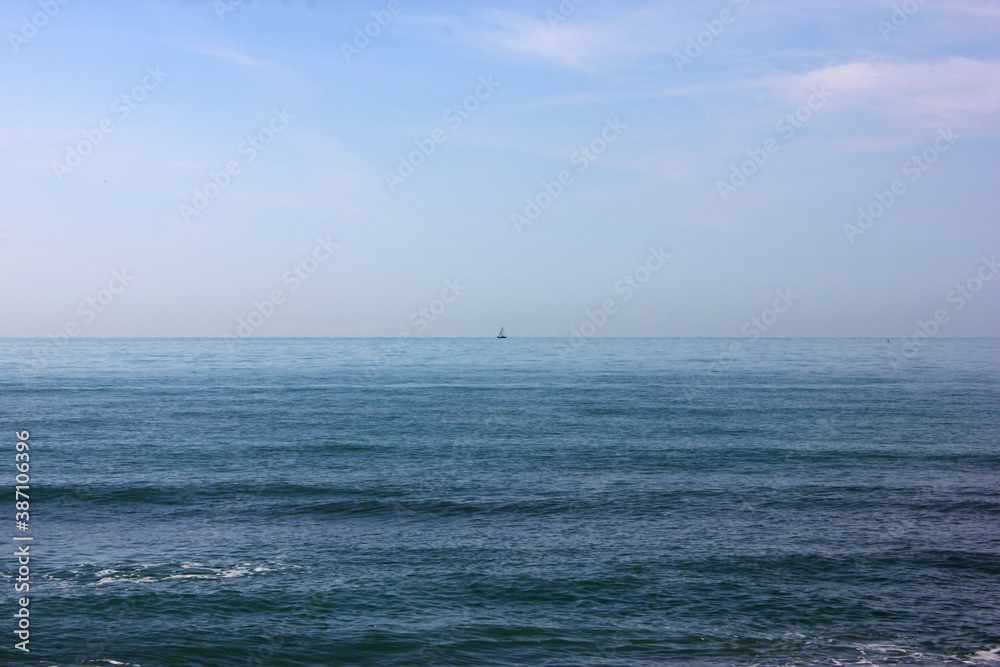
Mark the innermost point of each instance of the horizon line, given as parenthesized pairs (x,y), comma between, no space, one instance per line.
(251,338)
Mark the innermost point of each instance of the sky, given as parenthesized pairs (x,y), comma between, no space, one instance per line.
(402,168)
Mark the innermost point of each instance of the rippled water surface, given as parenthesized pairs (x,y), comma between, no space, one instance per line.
(485,502)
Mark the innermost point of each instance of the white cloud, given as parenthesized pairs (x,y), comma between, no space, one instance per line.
(958,91)
(580,43)
(278,72)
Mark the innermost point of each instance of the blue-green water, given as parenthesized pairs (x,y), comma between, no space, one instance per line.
(485,502)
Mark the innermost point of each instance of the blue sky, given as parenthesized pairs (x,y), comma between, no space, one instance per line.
(388,187)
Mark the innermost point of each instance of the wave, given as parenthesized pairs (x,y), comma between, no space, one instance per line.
(884,655)
(153,573)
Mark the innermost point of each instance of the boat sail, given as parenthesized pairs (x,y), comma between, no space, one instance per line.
(501,334)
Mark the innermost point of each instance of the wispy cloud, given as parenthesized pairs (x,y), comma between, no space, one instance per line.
(254,65)
(579,42)
(960,91)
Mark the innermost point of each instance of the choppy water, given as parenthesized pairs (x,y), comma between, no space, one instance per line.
(484,502)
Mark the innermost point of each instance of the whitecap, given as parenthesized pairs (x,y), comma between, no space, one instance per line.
(990,657)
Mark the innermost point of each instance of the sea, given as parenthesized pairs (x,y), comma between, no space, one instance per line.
(478,502)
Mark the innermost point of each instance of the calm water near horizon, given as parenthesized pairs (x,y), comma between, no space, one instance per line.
(474,501)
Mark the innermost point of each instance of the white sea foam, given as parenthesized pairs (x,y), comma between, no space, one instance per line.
(115,579)
(890,654)
(159,572)
(990,657)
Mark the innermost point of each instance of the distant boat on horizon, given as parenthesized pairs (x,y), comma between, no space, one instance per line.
(501,334)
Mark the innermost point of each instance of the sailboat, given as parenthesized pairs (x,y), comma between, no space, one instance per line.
(501,334)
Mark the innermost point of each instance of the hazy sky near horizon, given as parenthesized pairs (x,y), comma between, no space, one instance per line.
(170,168)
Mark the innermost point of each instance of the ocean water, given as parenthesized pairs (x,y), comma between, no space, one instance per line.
(484,502)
